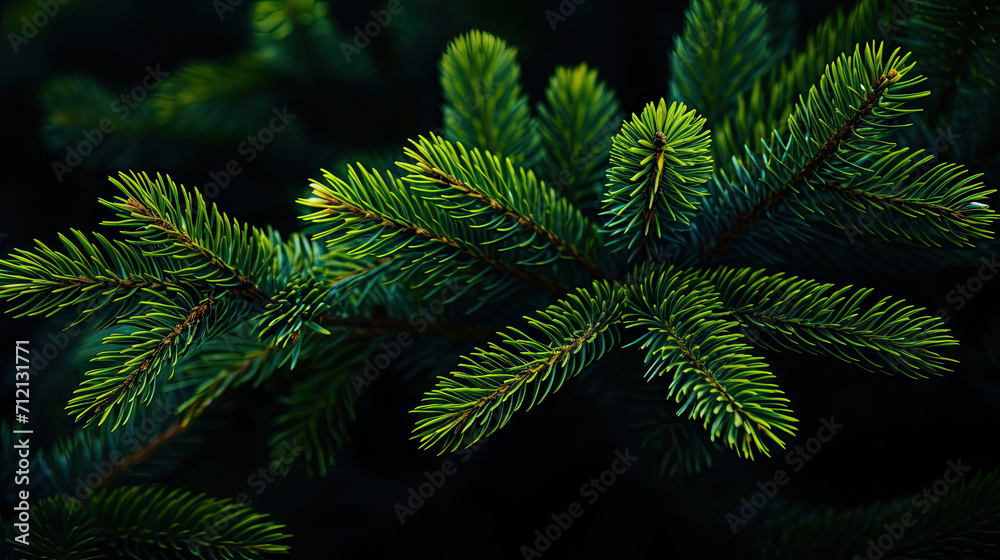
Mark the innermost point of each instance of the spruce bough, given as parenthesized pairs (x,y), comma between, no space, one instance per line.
(661,259)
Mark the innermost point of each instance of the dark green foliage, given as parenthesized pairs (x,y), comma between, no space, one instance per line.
(763,161)
(206,102)
(682,447)
(962,525)
(958,46)
(143,522)
(66,532)
(70,461)
(320,407)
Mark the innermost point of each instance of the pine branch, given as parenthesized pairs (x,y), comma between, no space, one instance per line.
(790,313)
(714,372)
(763,108)
(484,104)
(659,163)
(945,199)
(825,151)
(576,122)
(170,221)
(384,217)
(152,522)
(159,337)
(837,150)
(508,199)
(497,380)
(108,276)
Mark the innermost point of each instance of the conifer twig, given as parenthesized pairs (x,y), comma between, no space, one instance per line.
(745,220)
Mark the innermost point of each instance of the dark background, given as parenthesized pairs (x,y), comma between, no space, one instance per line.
(898,433)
